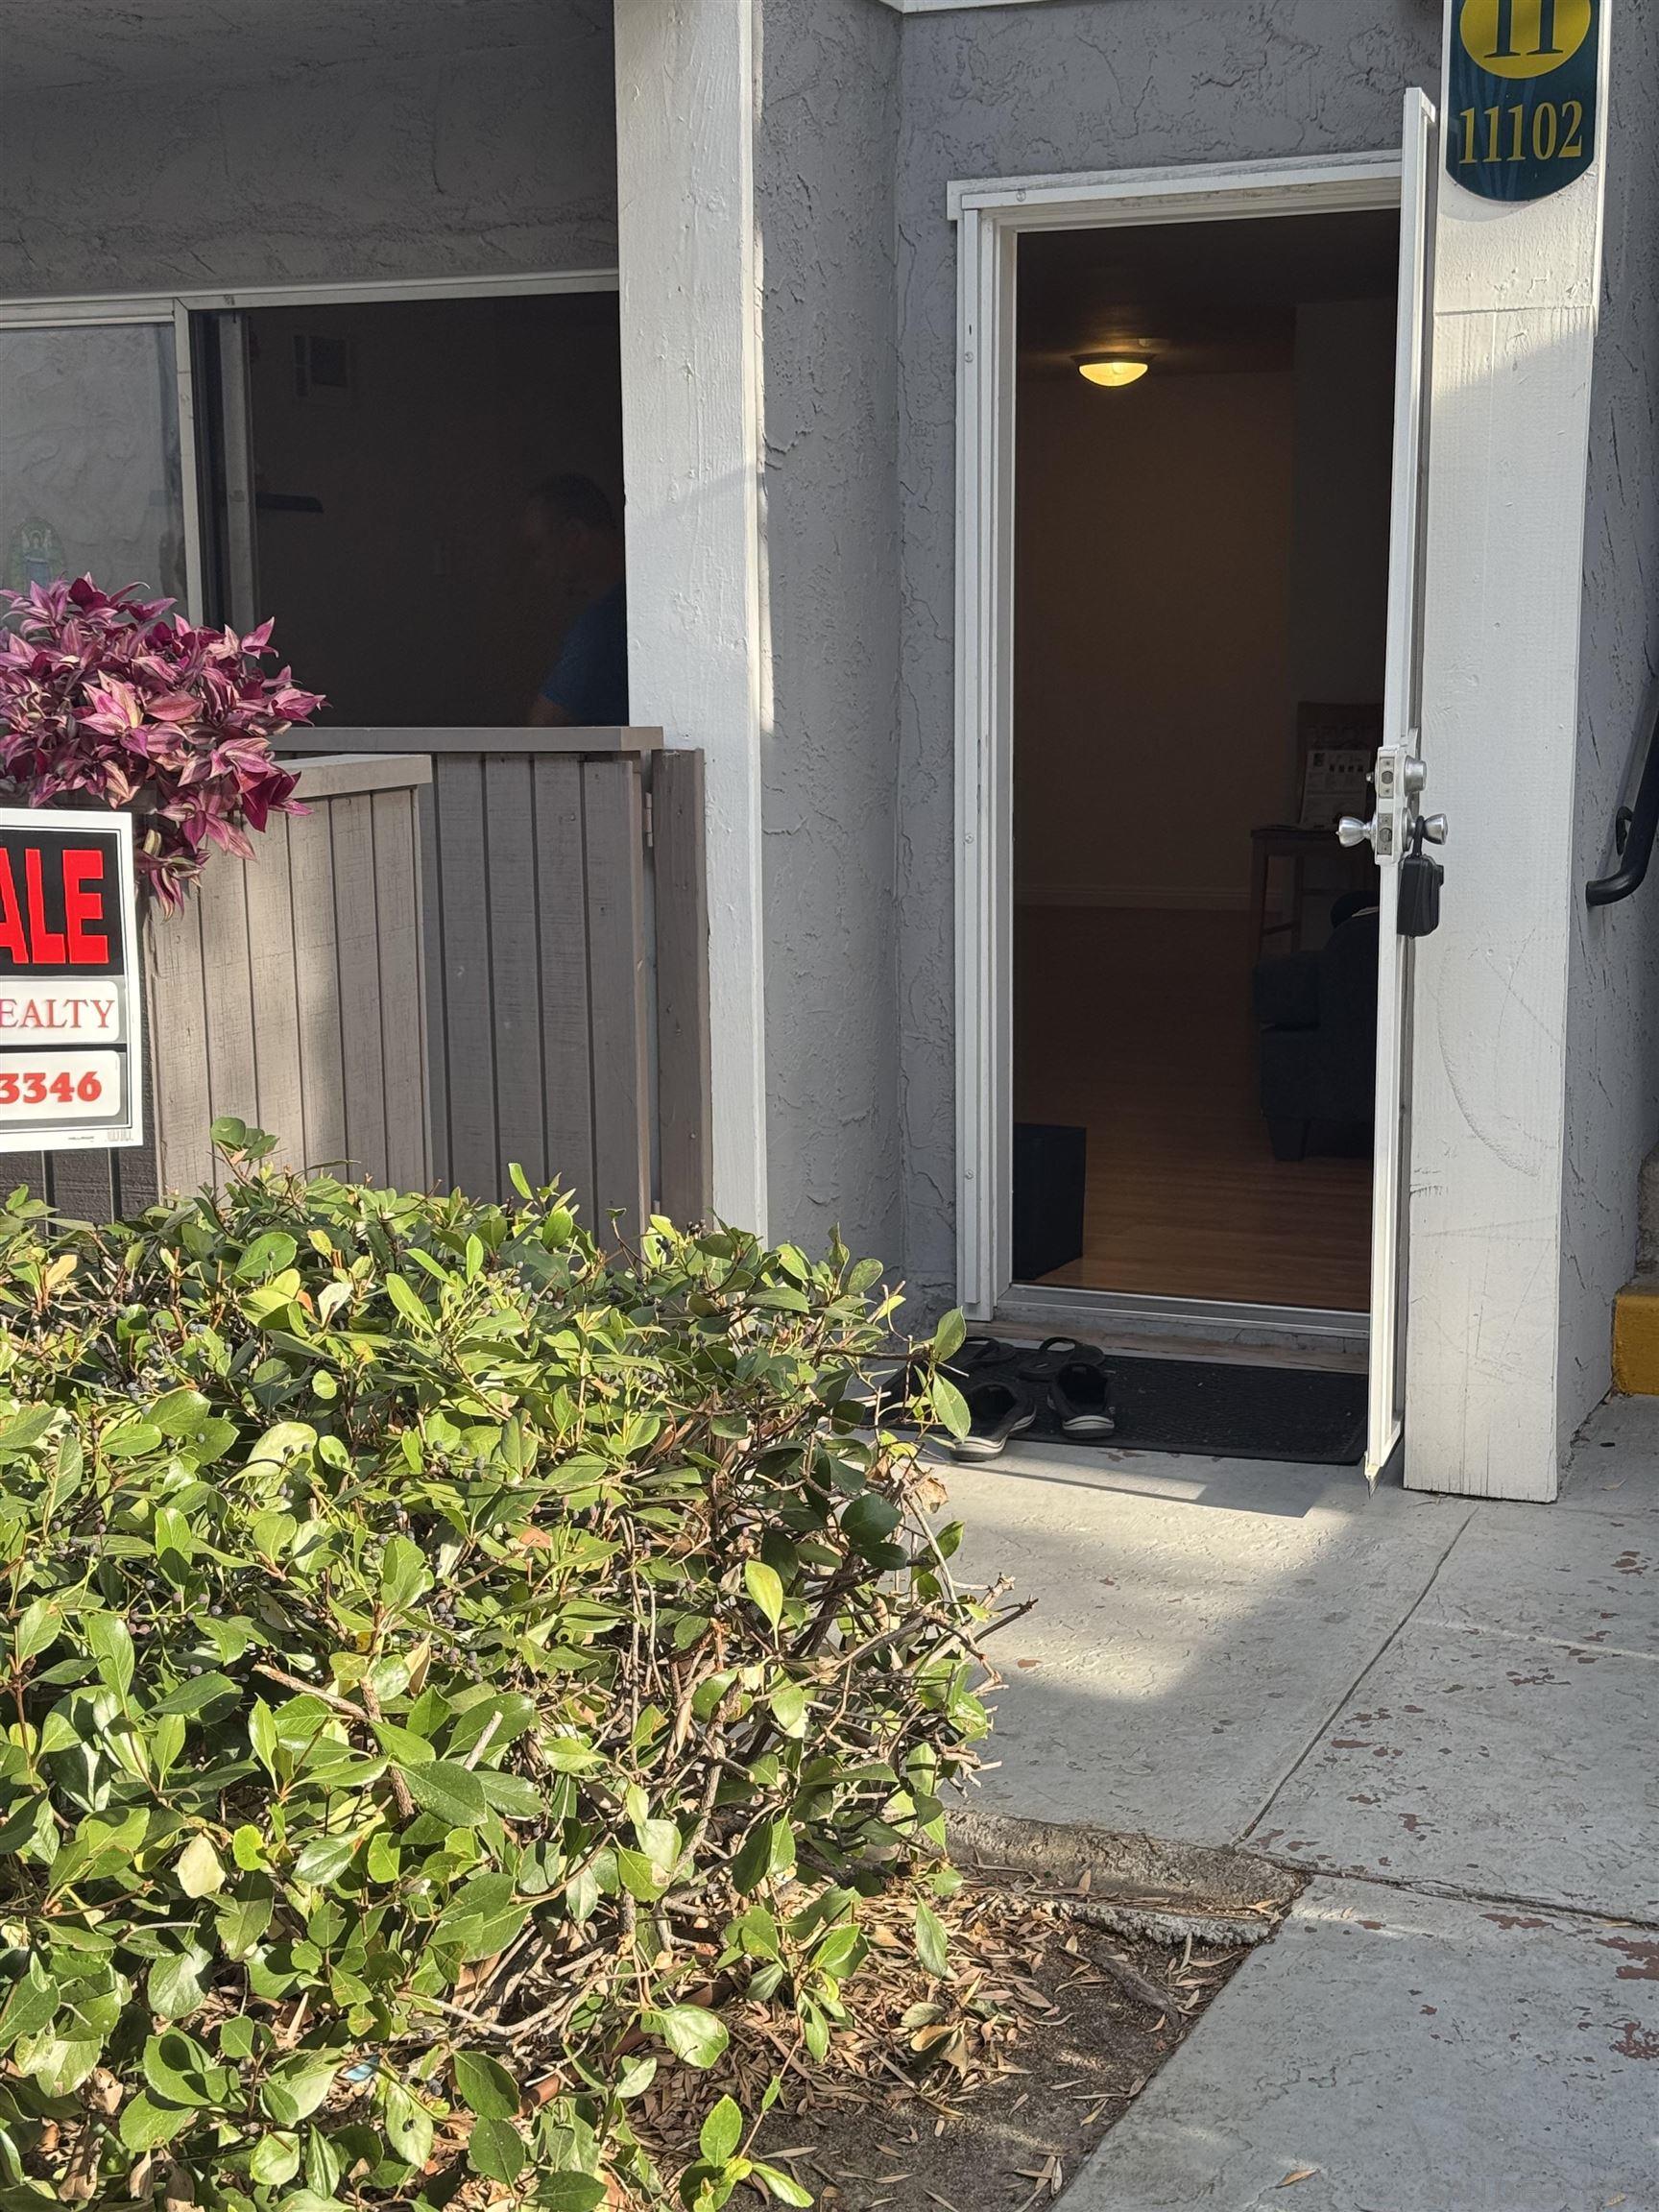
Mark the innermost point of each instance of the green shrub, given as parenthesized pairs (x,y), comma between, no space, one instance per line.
(431,1648)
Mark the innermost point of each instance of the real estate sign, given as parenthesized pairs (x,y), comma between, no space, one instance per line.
(71,1025)
(1521,93)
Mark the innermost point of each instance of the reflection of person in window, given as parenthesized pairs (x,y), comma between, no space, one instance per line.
(573,540)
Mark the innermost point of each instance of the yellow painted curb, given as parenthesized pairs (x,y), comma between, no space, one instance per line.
(1636,1340)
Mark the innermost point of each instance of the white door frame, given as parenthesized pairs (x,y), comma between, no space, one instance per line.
(990,217)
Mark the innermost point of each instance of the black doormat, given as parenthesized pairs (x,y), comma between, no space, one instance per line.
(1312,1415)
(1210,1408)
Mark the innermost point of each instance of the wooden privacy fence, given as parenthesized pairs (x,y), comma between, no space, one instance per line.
(289,992)
(566,957)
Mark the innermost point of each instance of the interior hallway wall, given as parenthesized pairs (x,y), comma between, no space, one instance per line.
(1023,92)
(1612,1103)
(825,193)
(1344,470)
(1152,703)
(317,141)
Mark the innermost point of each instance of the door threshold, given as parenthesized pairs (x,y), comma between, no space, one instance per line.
(1190,1328)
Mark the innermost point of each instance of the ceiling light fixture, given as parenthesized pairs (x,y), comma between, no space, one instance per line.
(1112,371)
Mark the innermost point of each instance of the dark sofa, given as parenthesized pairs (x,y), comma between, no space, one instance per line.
(1318,1046)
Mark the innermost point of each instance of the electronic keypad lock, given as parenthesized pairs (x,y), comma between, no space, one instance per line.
(1421,877)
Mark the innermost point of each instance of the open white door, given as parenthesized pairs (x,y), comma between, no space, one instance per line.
(1394,833)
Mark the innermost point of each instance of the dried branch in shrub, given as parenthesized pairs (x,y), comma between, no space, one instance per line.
(432,1653)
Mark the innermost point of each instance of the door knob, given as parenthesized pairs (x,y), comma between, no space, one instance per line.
(1434,828)
(1351,830)
(1416,776)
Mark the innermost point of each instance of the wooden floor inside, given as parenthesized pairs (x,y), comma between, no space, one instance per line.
(1137,1026)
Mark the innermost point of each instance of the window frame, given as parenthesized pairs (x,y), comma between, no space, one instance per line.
(178,307)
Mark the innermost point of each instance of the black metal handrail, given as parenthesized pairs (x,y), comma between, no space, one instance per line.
(1633,832)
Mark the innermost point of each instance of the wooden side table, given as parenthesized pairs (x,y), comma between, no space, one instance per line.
(1282,841)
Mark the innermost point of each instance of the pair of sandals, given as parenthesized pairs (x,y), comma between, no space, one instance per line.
(1005,1386)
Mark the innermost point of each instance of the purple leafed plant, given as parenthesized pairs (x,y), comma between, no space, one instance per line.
(108,699)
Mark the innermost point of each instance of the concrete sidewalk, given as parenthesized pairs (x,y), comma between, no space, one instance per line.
(1447,1712)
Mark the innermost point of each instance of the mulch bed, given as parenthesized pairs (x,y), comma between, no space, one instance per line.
(983,2092)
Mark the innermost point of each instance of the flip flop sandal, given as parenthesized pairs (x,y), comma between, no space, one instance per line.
(998,1409)
(1038,1362)
(973,1357)
(1080,1392)
(890,1403)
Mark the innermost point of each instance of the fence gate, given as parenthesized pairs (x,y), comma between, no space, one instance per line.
(565,931)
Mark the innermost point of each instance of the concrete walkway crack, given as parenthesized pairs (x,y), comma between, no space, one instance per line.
(1452,1893)
(1548,1643)
(1347,1696)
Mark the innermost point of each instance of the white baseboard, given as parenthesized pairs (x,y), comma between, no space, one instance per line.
(1191,898)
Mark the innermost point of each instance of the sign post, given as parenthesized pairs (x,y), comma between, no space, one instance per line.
(1520,111)
(71,1024)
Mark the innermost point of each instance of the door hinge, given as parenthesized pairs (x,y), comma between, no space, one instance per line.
(648,819)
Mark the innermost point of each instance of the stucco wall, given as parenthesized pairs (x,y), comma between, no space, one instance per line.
(825,191)
(1613,997)
(314,142)
(1153,557)
(1105,83)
